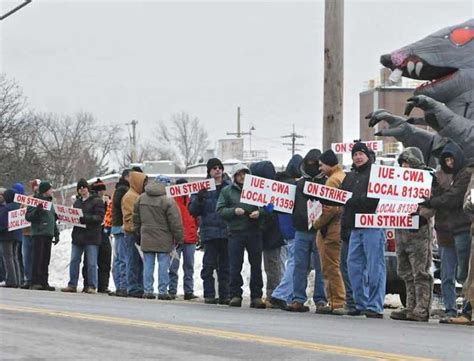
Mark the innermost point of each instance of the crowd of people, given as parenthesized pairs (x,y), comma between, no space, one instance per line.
(147,227)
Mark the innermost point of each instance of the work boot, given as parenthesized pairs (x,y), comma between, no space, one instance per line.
(190,296)
(323,309)
(235,302)
(277,303)
(70,289)
(91,290)
(37,288)
(257,303)
(165,297)
(341,311)
(462,319)
(224,301)
(297,307)
(49,288)
(418,317)
(149,296)
(25,286)
(121,293)
(372,314)
(354,312)
(105,290)
(400,314)
(210,300)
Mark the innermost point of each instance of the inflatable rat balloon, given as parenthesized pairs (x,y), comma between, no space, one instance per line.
(446,60)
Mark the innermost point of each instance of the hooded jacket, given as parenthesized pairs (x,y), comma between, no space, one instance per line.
(121,188)
(190,224)
(137,182)
(9,206)
(93,211)
(300,212)
(43,222)
(229,200)
(156,217)
(331,216)
(448,202)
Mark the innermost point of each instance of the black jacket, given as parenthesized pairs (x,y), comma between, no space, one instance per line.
(121,188)
(93,210)
(357,182)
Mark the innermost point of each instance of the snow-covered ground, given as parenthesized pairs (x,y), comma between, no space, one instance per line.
(61,253)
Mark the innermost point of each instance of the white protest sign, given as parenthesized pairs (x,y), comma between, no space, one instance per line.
(324,192)
(185,189)
(17,220)
(399,184)
(69,215)
(315,209)
(259,191)
(31,201)
(386,207)
(394,221)
(341,148)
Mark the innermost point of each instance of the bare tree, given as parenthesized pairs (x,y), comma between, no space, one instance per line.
(184,137)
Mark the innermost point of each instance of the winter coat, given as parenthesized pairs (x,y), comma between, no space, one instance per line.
(137,182)
(16,235)
(329,223)
(469,209)
(93,211)
(121,188)
(468,202)
(43,222)
(300,212)
(190,223)
(285,220)
(357,182)
(156,217)
(228,201)
(4,234)
(211,225)
(448,203)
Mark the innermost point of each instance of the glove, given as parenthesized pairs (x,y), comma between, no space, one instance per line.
(56,240)
(202,195)
(426,203)
(269,208)
(82,220)
(40,206)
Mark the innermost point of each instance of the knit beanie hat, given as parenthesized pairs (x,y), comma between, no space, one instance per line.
(44,186)
(82,183)
(181,181)
(360,147)
(98,185)
(211,163)
(329,158)
(163,179)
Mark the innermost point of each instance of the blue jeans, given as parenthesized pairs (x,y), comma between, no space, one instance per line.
(462,243)
(164,260)
(345,275)
(27,252)
(448,277)
(119,269)
(134,266)
(284,291)
(238,243)
(306,250)
(366,265)
(187,250)
(216,257)
(76,255)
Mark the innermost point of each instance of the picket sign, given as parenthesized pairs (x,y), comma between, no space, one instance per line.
(391,207)
(341,148)
(32,201)
(394,221)
(399,184)
(17,220)
(315,209)
(472,196)
(325,192)
(260,192)
(185,189)
(69,215)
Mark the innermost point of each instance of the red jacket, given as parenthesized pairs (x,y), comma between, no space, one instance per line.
(190,223)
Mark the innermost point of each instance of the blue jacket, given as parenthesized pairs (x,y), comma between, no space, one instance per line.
(16,235)
(211,226)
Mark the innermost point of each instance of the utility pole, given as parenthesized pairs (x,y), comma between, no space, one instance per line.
(333,72)
(133,141)
(14,10)
(293,143)
(239,133)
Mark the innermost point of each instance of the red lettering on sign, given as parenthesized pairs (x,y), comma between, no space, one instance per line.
(413,176)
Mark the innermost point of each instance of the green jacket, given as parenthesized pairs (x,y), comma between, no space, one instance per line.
(43,222)
(229,200)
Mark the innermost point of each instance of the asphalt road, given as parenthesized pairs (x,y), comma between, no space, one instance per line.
(38,325)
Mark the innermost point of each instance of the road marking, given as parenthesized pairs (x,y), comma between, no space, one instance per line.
(247,337)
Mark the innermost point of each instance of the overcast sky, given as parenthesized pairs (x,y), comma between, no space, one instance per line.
(145,60)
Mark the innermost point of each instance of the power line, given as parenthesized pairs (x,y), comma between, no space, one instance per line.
(293,143)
